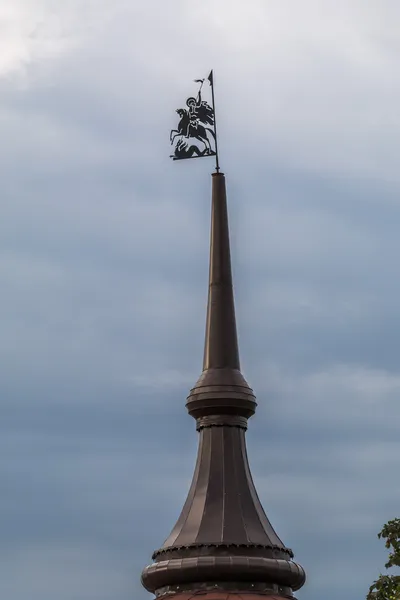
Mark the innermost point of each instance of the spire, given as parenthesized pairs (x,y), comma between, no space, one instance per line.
(221,345)
(221,388)
(223,539)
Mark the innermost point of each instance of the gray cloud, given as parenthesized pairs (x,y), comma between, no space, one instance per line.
(103,271)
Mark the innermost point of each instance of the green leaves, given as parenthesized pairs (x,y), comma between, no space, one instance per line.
(387,587)
(391,533)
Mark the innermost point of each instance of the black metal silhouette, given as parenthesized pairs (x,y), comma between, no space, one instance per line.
(197,124)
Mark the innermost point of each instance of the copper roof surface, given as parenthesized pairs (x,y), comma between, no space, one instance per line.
(221,596)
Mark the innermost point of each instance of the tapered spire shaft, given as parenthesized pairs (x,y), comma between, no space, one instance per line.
(221,389)
(223,538)
(221,344)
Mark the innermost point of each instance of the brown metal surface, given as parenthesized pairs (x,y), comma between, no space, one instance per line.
(223,596)
(222,506)
(221,349)
(221,388)
(223,536)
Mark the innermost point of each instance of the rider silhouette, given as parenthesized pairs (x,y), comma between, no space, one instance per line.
(199,111)
(193,105)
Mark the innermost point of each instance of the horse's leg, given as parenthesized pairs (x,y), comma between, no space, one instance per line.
(207,144)
(176,135)
(201,139)
(203,134)
(170,135)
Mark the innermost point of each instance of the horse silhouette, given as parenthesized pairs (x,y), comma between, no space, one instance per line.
(192,129)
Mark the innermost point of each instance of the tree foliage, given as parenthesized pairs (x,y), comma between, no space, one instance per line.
(387,587)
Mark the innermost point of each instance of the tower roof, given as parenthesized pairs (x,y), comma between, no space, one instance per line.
(223,540)
(220,595)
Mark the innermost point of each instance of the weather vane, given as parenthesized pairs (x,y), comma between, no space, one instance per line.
(196,132)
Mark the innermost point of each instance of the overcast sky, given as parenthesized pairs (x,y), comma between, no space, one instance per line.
(103,278)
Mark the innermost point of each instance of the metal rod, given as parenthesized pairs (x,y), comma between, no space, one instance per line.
(215,124)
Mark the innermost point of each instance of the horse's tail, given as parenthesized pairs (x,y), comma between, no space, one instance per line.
(211,131)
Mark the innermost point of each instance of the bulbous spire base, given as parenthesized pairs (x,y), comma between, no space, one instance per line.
(221,392)
(223,536)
